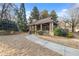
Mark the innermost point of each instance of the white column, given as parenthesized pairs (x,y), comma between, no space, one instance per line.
(35,29)
(51,28)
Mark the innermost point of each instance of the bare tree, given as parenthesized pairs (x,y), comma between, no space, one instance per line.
(7,13)
(6,10)
(73,17)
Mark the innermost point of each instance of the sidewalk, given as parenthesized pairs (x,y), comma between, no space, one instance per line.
(64,50)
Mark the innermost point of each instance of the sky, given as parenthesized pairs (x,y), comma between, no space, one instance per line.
(60,8)
(48,6)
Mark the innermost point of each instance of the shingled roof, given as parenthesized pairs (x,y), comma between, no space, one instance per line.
(42,21)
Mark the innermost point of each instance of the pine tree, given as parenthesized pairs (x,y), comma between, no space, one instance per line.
(53,15)
(22,22)
(35,13)
(44,14)
(54,18)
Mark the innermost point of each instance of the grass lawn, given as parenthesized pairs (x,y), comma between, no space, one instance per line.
(70,42)
(13,45)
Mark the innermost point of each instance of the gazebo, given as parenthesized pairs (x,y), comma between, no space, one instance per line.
(43,25)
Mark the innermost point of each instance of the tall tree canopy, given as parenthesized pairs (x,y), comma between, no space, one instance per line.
(53,15)
(23,12)
(22,22)
(44,14)
(54,18)
(35,13)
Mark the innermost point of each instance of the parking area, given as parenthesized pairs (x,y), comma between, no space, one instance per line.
(18,45)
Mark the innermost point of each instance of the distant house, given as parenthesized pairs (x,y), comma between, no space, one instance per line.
(77,28)
(43,25)
(64,25)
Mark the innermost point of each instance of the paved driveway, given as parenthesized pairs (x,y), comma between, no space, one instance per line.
(64,50)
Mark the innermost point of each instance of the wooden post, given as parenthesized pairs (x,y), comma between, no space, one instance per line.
(49,28)
(41,27)
(30,29)
(35,29)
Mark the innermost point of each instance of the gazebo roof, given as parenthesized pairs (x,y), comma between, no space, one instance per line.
(42,21)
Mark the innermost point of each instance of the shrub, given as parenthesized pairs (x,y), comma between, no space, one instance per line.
(40,32)
(60,32)
(57,31)
(45,32)
(32,32)
(69,34)
(6,24)
(63,32)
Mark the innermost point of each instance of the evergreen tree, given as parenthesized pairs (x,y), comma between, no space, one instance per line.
(53,15)
(54,18)
(22,22)
(44,14)
(35,13)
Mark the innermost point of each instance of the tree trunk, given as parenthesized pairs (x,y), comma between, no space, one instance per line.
(72,28)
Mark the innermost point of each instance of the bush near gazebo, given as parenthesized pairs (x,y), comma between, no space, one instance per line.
(43,32)
(40,32)
(62,32)
(69,34)
(59,32)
